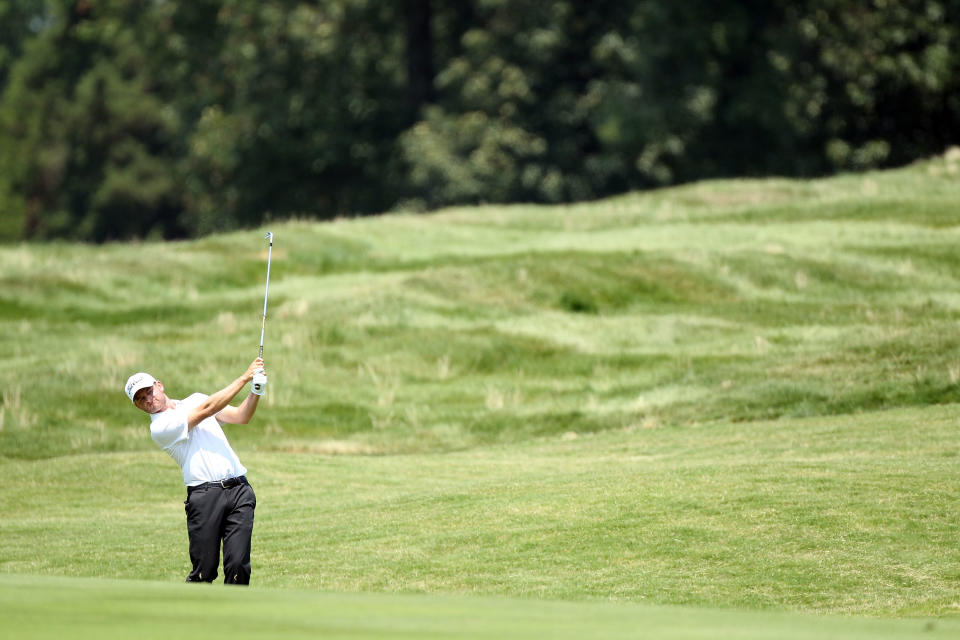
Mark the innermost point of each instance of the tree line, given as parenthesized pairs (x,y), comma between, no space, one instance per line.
(126,119)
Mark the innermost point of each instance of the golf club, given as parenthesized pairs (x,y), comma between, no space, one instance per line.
(259,381)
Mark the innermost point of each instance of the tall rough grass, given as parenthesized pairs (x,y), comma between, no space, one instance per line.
(737,300)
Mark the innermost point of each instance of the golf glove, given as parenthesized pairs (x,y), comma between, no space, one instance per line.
(259,383)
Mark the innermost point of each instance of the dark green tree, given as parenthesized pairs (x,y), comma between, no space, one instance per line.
(86,141)
(128,118)
(303,121)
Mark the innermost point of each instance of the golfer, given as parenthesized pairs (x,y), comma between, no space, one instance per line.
(220,502)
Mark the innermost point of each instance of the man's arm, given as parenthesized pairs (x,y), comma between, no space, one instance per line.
(241,414)
(216,402)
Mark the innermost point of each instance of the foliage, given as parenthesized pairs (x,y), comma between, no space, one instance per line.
(88,141)
(613,96)
(126,119)
(301,108)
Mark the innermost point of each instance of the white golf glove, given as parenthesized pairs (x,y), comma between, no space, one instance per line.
(259,383)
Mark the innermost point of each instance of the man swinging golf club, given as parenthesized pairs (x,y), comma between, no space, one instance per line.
(220,502)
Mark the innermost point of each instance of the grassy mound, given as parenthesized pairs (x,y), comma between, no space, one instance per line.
(737,300)
(729,394)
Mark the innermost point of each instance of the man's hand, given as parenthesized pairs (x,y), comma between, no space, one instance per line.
(255,367)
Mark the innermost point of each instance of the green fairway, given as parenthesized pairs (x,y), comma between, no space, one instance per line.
(36,609)
(730,395)
(832,516)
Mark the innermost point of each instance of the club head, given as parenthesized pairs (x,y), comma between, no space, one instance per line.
(269,236)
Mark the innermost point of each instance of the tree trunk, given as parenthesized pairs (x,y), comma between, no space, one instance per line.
(419,14)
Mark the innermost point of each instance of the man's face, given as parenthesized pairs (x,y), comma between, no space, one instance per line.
(151,399)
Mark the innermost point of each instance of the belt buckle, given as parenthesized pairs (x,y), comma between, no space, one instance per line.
(222,485)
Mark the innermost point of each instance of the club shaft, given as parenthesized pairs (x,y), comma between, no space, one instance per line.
(266,293)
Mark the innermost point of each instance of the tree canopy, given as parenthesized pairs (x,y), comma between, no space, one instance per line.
(153,118)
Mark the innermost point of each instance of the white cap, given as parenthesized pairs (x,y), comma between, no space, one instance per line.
(138,381)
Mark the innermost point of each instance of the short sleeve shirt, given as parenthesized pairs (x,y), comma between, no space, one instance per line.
(203,453)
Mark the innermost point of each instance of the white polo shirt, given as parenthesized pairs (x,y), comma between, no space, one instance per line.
(203,453)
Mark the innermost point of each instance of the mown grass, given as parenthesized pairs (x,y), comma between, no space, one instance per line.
(104,609)
(850,515)
(733,394)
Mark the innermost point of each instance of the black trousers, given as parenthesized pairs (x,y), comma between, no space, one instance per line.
(215,516)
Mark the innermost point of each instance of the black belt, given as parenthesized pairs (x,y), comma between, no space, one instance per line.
(220,484)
